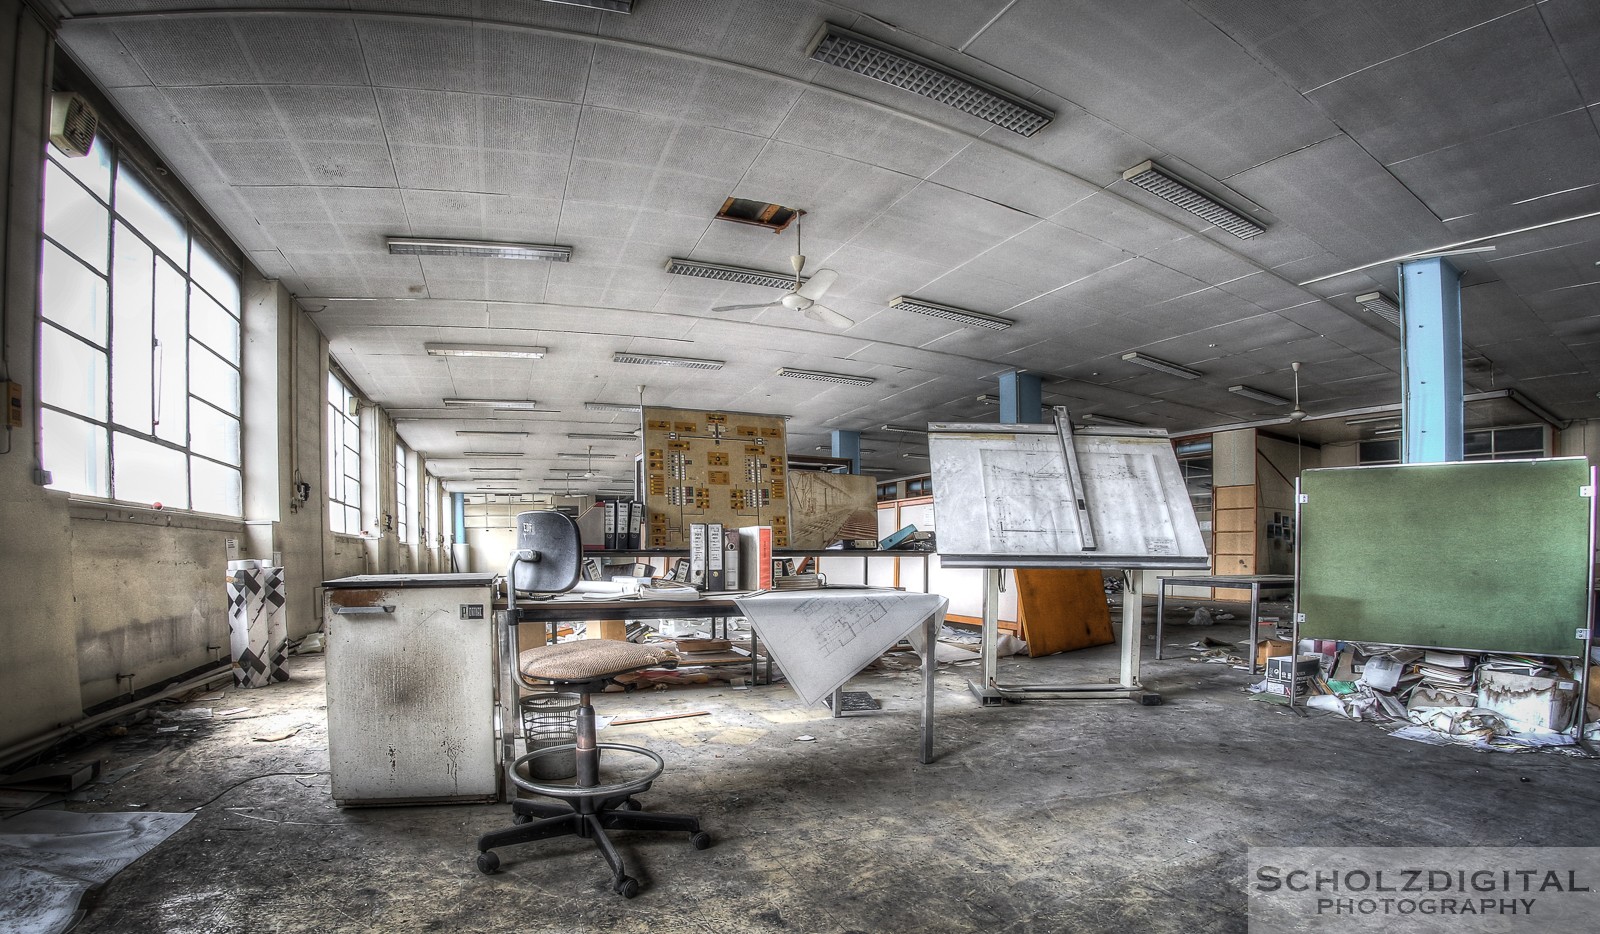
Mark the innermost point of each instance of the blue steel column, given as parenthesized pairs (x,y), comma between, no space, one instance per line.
(1021,398)
(848,444)
(1430,361)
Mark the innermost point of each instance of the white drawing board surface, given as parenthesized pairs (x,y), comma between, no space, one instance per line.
(821,638)
(1005,496)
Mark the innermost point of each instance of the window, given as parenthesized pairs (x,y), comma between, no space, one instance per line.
(921,486)
(139,384)
(344,459)
(1194,462)
(402,508)
(1485,444)
(888,491)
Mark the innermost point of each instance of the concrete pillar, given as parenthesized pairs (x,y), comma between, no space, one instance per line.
(848,444)
(1021,398)
(1430,359)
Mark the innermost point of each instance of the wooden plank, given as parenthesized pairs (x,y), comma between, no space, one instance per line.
(1234,543)
(1061,610)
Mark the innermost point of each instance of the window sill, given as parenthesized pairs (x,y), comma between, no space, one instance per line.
(100,510)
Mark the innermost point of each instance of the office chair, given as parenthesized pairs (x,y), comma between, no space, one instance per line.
(547,560)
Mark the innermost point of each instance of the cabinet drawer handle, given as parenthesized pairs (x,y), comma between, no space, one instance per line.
(362,610)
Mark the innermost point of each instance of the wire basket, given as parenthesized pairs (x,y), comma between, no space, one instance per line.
(550,720)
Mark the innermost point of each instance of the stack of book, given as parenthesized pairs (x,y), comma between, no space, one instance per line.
(1447,680)
(797,582)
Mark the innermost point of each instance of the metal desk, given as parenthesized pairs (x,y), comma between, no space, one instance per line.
(1254,583)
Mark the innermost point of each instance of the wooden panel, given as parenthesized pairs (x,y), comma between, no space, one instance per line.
(1235,543)
(1235,497)
(1061,610)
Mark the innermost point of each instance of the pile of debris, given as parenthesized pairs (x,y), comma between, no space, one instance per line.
(1488,701)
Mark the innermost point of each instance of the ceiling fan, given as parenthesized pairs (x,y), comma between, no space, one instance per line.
(803,297)
(1298,414)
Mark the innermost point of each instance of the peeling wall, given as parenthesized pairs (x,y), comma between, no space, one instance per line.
(38,660)
(151,599)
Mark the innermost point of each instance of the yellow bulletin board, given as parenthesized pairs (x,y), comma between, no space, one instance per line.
(727,467)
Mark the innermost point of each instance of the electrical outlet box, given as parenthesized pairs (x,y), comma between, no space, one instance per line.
(13,404)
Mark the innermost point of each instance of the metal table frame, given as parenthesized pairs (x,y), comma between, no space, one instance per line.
(569,609)
(1255,583)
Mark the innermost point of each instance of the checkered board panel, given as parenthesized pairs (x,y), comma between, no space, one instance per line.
(257,632)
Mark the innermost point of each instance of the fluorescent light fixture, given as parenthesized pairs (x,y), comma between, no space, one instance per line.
(1381,305)
(1156,363)
(821,377)
(1387,431)
(1170,188)
(583,454)
(492,469)
(971,319)
(863,451)
(612,407)
(1371,419)
(1099,419)
(601,436)
(904,429)
(490,431)
(880,61)
(688,363)
(494,454)
(678,266)
(914,455)
(508,404)
(988,399)
(609,6)
(406,246)
(483,350)
(1250,392)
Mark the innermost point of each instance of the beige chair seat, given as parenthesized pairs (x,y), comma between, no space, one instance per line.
(587,659)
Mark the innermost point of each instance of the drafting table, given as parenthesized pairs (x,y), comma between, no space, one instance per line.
(1047,496)
(1255,583)
(572,608)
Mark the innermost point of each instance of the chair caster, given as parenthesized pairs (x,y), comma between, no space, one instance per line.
(521,818)
(626,886)
(488,862)
(700,840)
(629,804)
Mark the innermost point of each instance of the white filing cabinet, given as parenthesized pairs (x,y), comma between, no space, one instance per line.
(411,688)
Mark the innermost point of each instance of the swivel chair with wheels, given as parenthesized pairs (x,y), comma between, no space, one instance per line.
(548,554)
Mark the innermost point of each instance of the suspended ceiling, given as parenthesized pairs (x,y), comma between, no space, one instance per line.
(1354,131)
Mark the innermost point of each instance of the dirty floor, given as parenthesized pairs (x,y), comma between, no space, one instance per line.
(1040,817)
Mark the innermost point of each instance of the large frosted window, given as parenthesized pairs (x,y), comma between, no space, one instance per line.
(138,343)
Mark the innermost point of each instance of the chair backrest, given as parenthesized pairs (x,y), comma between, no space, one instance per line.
(549,553)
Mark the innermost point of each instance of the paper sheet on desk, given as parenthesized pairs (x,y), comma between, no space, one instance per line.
(821,638)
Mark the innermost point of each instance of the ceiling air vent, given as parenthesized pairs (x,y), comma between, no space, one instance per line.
(73,123)
(774,217)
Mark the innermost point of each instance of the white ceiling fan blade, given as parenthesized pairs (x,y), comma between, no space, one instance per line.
(819,283)
(743,307)
(828,316)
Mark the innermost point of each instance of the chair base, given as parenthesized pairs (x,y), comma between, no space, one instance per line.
(586,817)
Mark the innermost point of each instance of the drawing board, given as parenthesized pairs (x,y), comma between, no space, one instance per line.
(1480,556)
(1021,496)
(821,638)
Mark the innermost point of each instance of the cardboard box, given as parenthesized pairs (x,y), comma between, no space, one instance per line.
(1302,669)
(1526,701)
(1270,648)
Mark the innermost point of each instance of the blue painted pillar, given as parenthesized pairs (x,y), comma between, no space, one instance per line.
(458,510)
(1021,398)
(1430,361)
(848,444)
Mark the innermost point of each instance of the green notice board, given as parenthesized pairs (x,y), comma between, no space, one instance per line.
(1489,556)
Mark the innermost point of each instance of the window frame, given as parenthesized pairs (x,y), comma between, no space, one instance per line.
(343,460)
(116,424)
(402,490)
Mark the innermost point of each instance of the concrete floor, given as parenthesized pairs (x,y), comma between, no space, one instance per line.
(1048,816)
